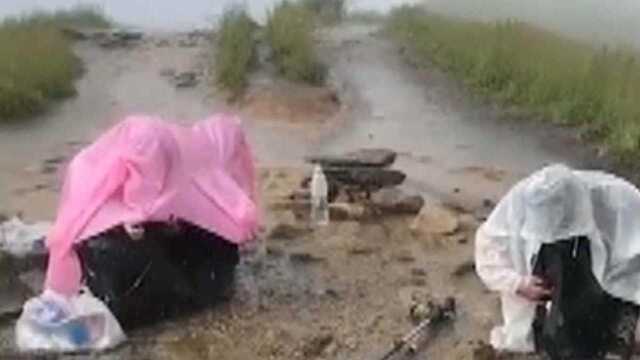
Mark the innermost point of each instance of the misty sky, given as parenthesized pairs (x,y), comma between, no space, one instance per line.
(597,20)
(170,14)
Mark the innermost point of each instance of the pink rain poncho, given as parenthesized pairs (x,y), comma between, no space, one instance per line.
(145,169)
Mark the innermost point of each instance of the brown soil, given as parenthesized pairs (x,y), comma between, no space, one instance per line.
(292,103)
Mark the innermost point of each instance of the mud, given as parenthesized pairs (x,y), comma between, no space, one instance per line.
(340,292)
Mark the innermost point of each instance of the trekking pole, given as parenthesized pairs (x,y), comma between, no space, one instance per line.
(438,315)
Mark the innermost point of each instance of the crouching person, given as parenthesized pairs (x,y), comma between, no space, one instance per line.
(563,250)
(150,221)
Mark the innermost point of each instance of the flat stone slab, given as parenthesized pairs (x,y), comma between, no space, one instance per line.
(359,158)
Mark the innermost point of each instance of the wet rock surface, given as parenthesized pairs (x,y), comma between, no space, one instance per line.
(435,220)
(13,290)
(397,201)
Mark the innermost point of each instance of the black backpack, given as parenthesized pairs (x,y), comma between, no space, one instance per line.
(583,321)
(175,269)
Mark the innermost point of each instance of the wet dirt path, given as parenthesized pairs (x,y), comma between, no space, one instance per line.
(336,293)
(447,139)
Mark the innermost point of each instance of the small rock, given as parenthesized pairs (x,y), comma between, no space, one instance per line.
(488,203)
(56,160)
(396,201)
(456,190)
(418,272)
(304,258)
(360,248)
(404,257)
(331,293)
(274,251)
(316,345)
(168,72)
(163,43)
(188,43)
(419,282)
(286,231)
(112,42)
(186,79)
(435,220)
(464,268)
(351,343)
(346,212)
(128,35)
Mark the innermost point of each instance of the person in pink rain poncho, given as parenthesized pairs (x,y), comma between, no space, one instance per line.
(145,169)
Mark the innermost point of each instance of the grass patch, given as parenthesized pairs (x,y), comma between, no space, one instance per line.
(565,80)
(37,64)
(235,51)
(79,15)
(290,34)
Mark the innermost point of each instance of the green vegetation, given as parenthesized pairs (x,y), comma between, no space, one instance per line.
(562,79)
(37,64)
(290,35)
(81,15)
(235,53)
(329,11)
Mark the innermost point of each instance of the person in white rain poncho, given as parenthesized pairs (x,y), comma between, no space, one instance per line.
(553,204)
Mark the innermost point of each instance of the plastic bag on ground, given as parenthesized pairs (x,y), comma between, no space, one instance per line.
(54,323)
(20,239)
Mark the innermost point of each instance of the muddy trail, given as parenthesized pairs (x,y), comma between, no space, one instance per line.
(341,292)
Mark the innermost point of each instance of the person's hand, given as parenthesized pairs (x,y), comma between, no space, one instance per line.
(534,289)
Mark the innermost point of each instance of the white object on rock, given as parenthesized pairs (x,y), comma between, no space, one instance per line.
(319,198)
(54,323)
(20,239)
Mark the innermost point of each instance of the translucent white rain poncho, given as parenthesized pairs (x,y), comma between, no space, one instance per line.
(557,203)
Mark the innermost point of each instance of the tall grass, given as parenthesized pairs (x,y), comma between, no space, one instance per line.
(82,15)
(329,11)
(290,35)
(37,64)
(562,79)
(235,51)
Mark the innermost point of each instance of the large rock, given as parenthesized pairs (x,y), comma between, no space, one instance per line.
(435,220)
(396,201)
(359,158)
(359,179)
(12,292)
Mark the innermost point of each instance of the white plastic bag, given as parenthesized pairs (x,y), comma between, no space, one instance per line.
(53,323)
(20,239)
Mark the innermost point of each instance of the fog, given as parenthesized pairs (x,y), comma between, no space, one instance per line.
(593,20)
(172,14)
(601,21)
